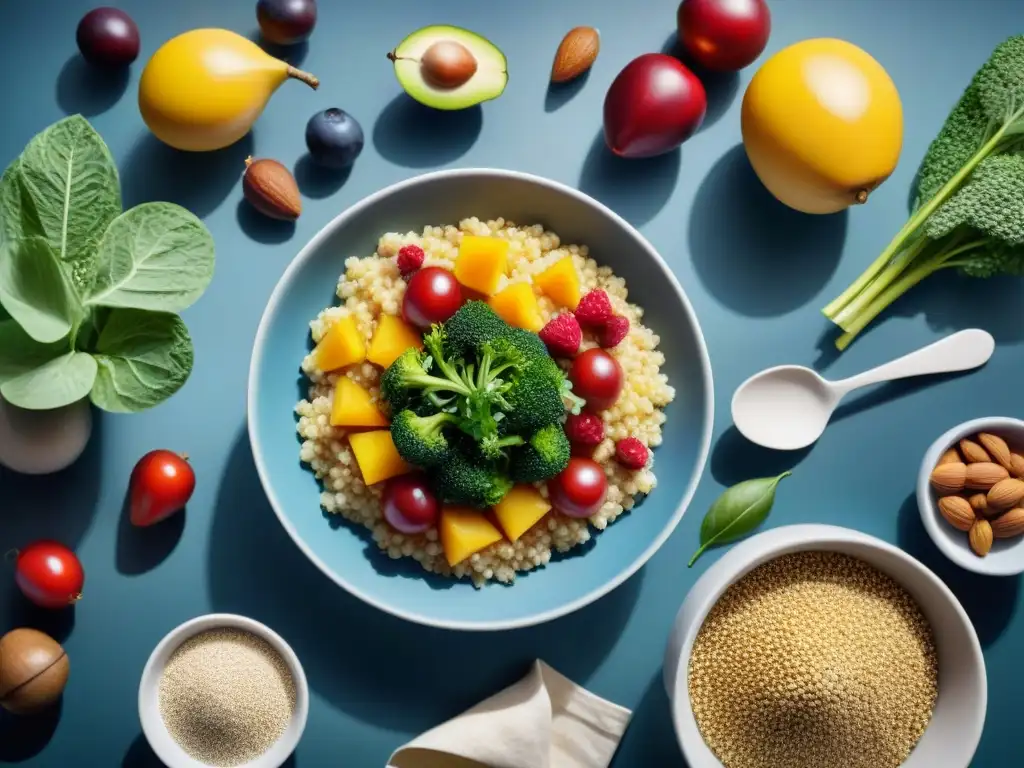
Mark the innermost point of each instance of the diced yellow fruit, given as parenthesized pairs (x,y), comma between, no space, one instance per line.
(464,531)
(376,455)
(520,510)
(560,283)
(481,262)
(517,305)
(342,345)
(392,337)
(353,406)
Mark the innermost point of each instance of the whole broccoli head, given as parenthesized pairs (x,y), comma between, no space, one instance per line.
(420,440)
(461,480)
(543,457)
(467,330)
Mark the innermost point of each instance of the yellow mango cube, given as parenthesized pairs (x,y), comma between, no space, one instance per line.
(520,510)
(377,457)
(354,407)
(481,262)
(342,345)
(392,337)
(517,305)
(560,283)
(465,531)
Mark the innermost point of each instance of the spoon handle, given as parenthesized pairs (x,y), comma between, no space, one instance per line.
(957,352)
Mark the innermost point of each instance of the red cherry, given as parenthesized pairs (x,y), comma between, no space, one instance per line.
(578,490)
(432,296)
(161,484)
(49,574)
(724,35)
(597,377)
(409,504)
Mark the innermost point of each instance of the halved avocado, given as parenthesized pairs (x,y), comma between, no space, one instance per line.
(447,67)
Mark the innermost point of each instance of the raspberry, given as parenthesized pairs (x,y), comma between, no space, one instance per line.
(584,429)
(594,309)
(614,331)
(410,258)
(562,335)
(631,453)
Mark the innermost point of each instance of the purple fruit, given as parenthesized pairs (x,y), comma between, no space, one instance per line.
(334,138)
(107,37)
(286,22)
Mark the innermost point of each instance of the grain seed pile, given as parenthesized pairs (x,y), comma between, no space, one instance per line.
(226,696)
(813,660)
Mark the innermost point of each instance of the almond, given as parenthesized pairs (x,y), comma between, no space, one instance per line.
(973,452)
(997,449)
(271,189)
(981,537)
(982,475)
(1017,465)
(576,54)
(957,512)
(949,478)
(950,457)
(1009,525)
(1006,493)
(979,503)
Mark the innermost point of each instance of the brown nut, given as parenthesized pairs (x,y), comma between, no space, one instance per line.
(949,478)
(1006,493)
(1009,525)
(33,671)
(271,189)
(997,449)
(973,452)
(979,503)
(952,456)
(982,475)
(981,537)
(957,512)
(576,54)
(1017,465)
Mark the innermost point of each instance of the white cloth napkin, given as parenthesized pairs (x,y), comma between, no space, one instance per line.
(543,721)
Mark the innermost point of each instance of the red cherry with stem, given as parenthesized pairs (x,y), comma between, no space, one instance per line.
(432,296)
(724,35)
(49,574)
(162,482)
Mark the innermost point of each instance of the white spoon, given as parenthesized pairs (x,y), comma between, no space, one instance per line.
(789,406)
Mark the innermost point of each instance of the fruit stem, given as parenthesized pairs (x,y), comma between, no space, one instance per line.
(311,80)
(861,197)
(184,456)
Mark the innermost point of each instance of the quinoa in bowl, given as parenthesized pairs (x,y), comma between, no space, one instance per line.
(372,287)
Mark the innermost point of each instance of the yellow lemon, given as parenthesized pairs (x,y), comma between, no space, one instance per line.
(822,125)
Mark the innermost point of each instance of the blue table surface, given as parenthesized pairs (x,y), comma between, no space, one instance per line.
(756,273)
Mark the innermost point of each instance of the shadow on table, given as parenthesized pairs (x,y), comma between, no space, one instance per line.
(140,550)
(720,87)
(260,228)
(988,600)
(356,656)
(412,135)
(650,738)
(87,90)
(316,181)
(560,94)
(22,737)
(734,459)
(141,755)
(755,255)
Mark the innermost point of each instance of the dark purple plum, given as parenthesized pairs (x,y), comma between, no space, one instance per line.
(107,37)
(286,22)
(334,138)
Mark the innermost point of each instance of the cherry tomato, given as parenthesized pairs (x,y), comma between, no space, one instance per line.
(409,504)
(596,376)
(724,35)
(161,484)
(49,574)
(432,296)
(579,489)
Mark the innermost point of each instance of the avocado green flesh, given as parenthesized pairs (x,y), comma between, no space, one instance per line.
(487,82)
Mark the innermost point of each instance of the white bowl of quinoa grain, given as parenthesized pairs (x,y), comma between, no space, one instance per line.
(820,645)
(223,690)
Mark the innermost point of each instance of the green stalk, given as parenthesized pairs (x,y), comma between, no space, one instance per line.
(883,280)
(915,221)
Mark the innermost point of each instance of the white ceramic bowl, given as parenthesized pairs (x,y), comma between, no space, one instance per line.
(1007,555)
(149,708)
(955,729)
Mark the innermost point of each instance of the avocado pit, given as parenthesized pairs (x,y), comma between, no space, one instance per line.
(448,64)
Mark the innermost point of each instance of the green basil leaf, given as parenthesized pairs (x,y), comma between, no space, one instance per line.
(17,214)
(72,183)
(156,256)
(738,511)
(20,353)
(56,383)
(143,357)
(34,290)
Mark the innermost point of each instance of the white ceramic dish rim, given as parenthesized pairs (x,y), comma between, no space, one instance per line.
(149,713)
(257,358)
(741,560)
(1007,562)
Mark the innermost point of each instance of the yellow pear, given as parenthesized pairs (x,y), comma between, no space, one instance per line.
(203,89)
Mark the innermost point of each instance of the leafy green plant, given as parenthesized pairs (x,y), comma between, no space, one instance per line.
(738,511)
(89,294)
(969,205)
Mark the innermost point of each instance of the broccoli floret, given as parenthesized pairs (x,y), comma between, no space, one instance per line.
(526,342)
(540,396)
(409,376)
(476,484)
(468,329)
(543,457)
(420,440)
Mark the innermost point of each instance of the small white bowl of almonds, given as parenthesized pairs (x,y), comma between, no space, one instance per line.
(970,491)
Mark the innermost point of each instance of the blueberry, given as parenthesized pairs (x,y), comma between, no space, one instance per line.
(334,138)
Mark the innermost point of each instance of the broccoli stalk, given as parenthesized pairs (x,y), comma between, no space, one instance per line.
(969,211)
